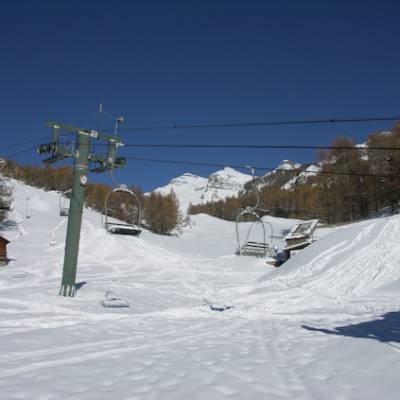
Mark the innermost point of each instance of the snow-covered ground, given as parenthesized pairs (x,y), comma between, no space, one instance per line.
(323,326)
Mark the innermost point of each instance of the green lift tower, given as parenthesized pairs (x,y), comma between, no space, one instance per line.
(82,160)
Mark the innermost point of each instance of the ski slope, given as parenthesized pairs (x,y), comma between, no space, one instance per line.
(323,326)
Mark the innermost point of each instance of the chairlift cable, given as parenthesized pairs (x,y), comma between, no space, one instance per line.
(255,146)
(7,146)
(258,146)
(261,123)
(219,165)
(270,169)
(9,156)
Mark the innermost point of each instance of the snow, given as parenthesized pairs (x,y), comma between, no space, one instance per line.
(325,325)
(302,177)
(287,165)
(188,188)
(195,189)
(228,178)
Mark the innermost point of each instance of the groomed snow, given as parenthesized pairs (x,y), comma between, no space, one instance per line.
(323,326)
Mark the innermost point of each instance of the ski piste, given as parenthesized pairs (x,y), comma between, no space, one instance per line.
(317,327)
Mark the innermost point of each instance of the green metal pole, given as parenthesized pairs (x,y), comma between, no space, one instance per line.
(79,178)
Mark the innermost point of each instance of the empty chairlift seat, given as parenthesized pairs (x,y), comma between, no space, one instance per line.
(64,203)
(122,228)
(255,243)
(257,249)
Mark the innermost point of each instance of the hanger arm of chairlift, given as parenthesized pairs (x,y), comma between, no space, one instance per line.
(53,232)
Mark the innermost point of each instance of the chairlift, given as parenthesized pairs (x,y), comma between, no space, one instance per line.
(111,300)
(53,241)
(27,208)
(120,228)
(64,201)
(260,247)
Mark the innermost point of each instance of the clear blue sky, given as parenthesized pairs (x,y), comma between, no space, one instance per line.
(171,62)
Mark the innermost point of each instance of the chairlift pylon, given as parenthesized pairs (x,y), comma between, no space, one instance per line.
(63,201)
(248,247)
(120,228)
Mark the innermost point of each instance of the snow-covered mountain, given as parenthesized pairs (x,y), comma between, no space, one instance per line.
(195,189)
(287,165)
(285,176)
(302,177)
(227,179)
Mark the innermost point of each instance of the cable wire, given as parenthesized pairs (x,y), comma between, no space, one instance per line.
(9,156)
(257,146)
(253,146)
(244,166)
(37,141)
(261,123)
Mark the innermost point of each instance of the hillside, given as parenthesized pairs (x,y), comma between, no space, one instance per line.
(194,189)
(324,325)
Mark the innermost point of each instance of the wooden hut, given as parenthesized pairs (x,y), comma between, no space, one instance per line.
(3,251)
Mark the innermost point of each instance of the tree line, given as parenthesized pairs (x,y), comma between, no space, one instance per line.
(353,184)
(160,212)
(5,199)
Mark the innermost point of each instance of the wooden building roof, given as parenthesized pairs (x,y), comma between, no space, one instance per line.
(4,240)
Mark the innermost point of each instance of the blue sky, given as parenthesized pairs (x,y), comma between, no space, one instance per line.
(182,62)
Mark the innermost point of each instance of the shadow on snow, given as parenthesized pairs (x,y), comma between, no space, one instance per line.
(78,285)
(384,329)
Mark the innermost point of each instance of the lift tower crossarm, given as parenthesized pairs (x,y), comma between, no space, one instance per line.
(84,131)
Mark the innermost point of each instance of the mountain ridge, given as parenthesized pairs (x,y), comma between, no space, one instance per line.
(228,182)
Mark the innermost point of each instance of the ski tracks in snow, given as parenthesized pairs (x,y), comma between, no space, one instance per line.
(332,279)
(223,359)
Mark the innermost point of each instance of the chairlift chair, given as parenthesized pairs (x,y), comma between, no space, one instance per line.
(120,228)
(249,246)
(111,300)
(27,208)
(64,203)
